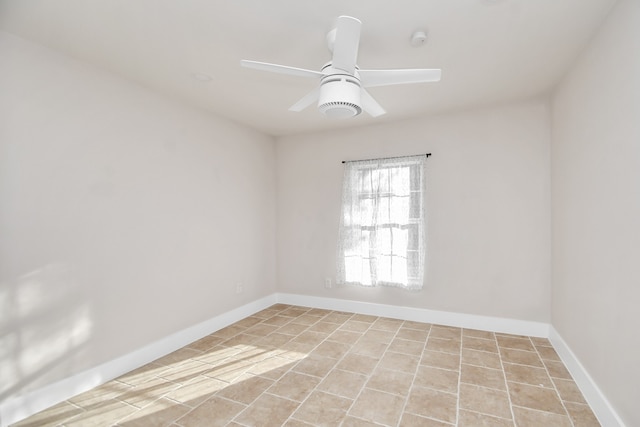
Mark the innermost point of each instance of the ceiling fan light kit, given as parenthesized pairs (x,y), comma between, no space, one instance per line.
(341,92)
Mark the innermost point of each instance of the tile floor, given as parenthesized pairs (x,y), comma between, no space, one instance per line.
(294,366)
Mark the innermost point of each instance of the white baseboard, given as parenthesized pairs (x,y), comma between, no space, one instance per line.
(592,393)
(17,408)
(471,321)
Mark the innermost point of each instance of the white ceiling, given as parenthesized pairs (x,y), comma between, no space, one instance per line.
(490,51)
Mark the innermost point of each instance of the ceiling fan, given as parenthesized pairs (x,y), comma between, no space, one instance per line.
(341,93)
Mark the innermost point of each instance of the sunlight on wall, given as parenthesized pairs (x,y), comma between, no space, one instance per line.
(44,321)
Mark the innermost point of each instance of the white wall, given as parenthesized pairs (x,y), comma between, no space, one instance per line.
(124,217)
(596,209)
(488,210)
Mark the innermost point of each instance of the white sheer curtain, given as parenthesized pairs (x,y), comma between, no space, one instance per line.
(382,226)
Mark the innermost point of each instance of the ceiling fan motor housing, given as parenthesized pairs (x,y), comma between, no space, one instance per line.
(339,96)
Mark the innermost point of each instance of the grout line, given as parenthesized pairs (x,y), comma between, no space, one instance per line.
(553,385)
(506,384)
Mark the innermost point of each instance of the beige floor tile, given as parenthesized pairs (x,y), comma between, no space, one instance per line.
(205,343)
(315,365)
(476,419)
(436,378)
(197,391)
(292,423)
(439,359)
(323,409)
(412,420)
(350,421)
(294,386)
(548,353)
(394,382)
(307,319)
(369,348)
(354,325)
(399,362)
(346,337)
(240,339)
(273,363)
(293,329)
(533,397)
(366,318)
(217,355)
(268,411)
(421,326)
(337,317)
(105,413)
(484,377)
(104,392)
(479,344)
(162,412)
(186,372)
(262,330)
(531,418)
(582,415)
(527,375)
(386,324)
(481,358)
(331,349)
(142,374)
(343,383)
(414,348)
(517,343)
(277,320)
(274,339)
(377,406)
(478,334)
(229,331)
(569,391)
(557,369)
(537,341)
(378,335)
(433,404)
(246,391)
(413,334)
(444,345)
(324,327)
(146,393)
(520,357)
(214,412)
(447,332)
(310,337)
(358,363)
(485,400)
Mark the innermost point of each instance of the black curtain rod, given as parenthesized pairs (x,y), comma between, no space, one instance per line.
(384,158)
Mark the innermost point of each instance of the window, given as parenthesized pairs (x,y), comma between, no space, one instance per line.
(382,226)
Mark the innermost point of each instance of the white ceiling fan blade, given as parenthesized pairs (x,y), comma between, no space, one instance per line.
(281,69)
(307,100)
(372,78)
(370,105)
(345,47)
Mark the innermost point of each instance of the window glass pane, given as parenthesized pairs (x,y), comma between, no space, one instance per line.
(384,268)
(400,181)
(400,241)
(382,211)
(399,270)
(383,180)
(381,222)
(384,240)
(399,210)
